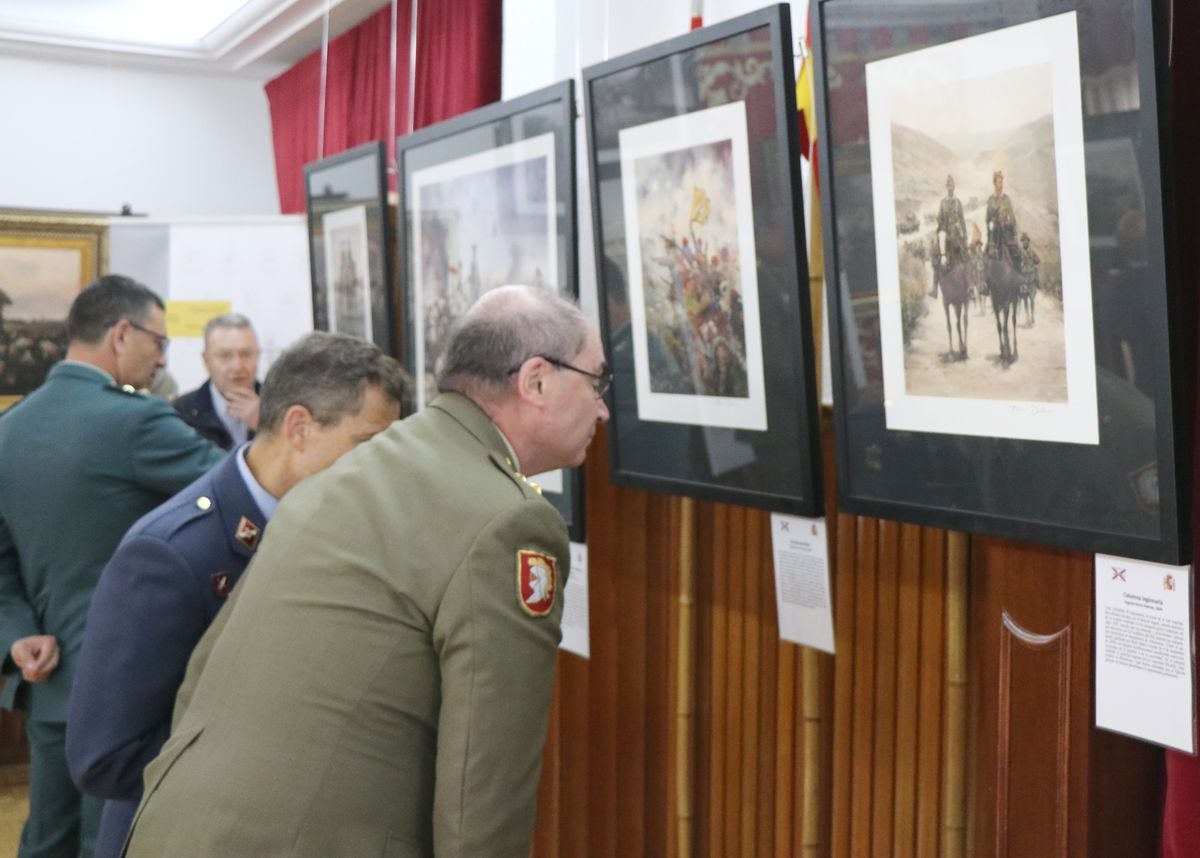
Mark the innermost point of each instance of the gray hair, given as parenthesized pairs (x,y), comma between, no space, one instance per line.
(328,374)
(502,330)
(226,320)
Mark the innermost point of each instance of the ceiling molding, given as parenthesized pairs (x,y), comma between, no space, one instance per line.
(261,39)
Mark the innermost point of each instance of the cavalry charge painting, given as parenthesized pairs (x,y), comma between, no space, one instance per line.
(982,237)
(692,280)
(476,223)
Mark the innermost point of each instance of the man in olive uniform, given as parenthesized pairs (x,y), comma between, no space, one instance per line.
(1002,225)
(84,456)
(952,232)
(177,565)
(380,682)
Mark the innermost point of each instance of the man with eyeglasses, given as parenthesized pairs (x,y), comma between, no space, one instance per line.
(380,682)
(225,408)
(81,458)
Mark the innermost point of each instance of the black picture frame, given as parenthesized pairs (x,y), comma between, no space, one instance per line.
(490,171)
(714,392)
(1116,481)
(352,188)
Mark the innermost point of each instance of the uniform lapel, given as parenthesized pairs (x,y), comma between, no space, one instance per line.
(241,519)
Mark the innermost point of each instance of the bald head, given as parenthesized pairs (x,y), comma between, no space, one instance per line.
(502,330)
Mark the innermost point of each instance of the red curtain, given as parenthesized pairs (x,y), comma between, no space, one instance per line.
(458,69)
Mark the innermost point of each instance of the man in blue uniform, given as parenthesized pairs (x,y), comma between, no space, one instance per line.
(225,408)
(380,682)
(175,567)
(84,456)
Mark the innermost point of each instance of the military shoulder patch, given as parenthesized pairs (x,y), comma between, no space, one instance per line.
(537,582)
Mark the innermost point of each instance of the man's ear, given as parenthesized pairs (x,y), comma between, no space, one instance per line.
(531,380)
(117,337)
(297,426)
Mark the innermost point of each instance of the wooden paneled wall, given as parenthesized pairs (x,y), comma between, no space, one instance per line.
(693,731)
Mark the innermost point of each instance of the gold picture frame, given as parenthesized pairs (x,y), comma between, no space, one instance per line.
(45,259)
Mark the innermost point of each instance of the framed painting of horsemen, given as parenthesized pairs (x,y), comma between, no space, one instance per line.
(349,241)
(701,266)
(1000,270)
(45,259)
(488,199)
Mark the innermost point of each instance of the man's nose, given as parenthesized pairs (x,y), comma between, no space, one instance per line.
(601,411)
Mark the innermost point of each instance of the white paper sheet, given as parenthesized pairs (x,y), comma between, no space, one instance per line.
(1145,664)
(802,593)
(575,619)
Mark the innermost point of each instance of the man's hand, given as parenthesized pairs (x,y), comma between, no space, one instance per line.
(36,656)
(243,404)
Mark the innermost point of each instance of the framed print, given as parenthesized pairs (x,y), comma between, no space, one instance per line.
(349,229)
(1001,271)
(702,267)
(488,199)
(45,259)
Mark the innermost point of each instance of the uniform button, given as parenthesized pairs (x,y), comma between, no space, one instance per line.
(203,503)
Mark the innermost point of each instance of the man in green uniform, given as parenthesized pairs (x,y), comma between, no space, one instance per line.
(84,456)
(1002,225)
(380,682)
(951,232)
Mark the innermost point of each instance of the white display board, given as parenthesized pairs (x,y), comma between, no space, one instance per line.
(259,265)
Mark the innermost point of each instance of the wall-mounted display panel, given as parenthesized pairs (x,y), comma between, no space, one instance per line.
(488,199)
(350,244)
(1005,322)
(701,266)
(45,259)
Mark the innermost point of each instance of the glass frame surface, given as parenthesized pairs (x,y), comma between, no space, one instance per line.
(350,191)
(1108,477)
(699,234)
(512,162)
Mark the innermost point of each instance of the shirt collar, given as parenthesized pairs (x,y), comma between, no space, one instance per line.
(265,500)
(237,429)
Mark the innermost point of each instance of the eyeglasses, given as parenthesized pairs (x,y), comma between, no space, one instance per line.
(160,340)
(600,382)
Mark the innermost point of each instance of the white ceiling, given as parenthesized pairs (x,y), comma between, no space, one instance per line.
(254,37)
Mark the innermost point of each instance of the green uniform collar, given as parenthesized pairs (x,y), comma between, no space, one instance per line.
(80,369)
(475,420)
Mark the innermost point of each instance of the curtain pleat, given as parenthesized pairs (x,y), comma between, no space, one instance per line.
(458,69)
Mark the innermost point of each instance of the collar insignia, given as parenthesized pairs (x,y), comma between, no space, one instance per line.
(222,584)
(247,533)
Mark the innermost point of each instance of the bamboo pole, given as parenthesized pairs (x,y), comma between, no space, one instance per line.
(954,822)
(684,678)
(810,825)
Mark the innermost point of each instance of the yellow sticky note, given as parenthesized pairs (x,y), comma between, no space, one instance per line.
(187,318)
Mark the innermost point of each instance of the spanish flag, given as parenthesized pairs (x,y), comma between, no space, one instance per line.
(808,147)
(804,104)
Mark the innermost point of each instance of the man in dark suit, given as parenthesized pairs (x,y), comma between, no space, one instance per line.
(176,566)
(84,456)
(225,408)
(380,682)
